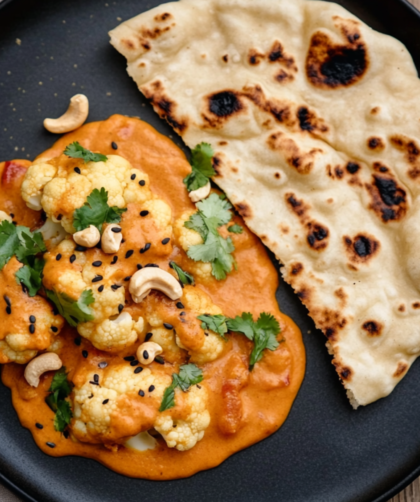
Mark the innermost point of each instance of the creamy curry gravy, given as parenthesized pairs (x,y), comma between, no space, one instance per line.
(244,409)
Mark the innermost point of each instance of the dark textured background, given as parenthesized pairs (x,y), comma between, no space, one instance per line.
(325,452)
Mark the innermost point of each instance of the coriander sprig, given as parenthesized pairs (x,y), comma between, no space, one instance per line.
(202,167)
(73,311)
(59,390)
(189,374)
(76,151)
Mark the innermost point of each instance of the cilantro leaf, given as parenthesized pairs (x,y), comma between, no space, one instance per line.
(96,211)
(242,324)
(76,151)
(73,311)
(216,323)
(183,276)
(60,384)
(63,416)
(9,242)
(31,276)
(215,209)
(235,229)
(60,389)
(189,374)
(266,330)
(202,167)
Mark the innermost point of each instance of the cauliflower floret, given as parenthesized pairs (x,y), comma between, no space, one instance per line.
(52,232)
(5,216)
(55,186)
(184,433)
(73,273)
(113,411)
(161,214)
(18,341)
(186,238)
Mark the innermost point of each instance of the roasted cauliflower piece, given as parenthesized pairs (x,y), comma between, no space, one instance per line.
(19,342)
(62,184)
(72,272)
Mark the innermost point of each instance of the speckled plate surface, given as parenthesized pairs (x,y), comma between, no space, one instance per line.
(325,452)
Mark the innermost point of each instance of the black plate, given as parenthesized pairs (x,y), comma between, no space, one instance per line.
(325,452)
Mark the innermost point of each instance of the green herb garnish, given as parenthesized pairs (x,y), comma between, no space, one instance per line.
(202,167)
(183,276)
(189,374)
(96,211)
(216,323)
(212,214)
(235,229)
(60,389)
(31,275)
(73,311)
(76,151)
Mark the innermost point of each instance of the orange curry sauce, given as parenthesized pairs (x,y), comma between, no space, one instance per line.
(244,408)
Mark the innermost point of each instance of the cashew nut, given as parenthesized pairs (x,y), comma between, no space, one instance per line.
(200,193)
(74,117)
(147,352)
(88,237)
(39,365)
(5,216)
(111,240)
(146,279)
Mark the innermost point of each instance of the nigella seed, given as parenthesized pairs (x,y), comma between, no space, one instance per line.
(96,378)
(8,310)
(144,213)
(77,170)
(97,278)
(146,248)
(58,257)
(55,311)
(199,386)
(133,176)
(78,341)
(148,337)
(179,305)
(134,363)
(165,241)
(115,287)
(127,278)
(85,354)
(7,300)
(151,388)
(92,382)
(114,145)
(159,360)
(206,334)
(32,328)
(155,265)
(141,393)
(139,267)
(51,445)
(72,258)
(142,183)
(182,313)
(120,307)
(39,426)
(116,230)
(80,248)
(59,217)
(114,260)
(97,263)
(145,354)
(129,358)
(105,401)
(138,370)
(122,242)
(102,365)
(168,326)
(129,253)
(66,434)
(101,288)
(32,319)
(54,329)
(12,215)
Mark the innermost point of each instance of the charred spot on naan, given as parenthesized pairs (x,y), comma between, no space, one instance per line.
(344,372)
(330,65)
(317,236)
(352,167)
(302,162)
(330,321)
(255,57)
(375,143)
(277,54)
(412,153)
(160,18)
(388,200)
(296,268)
(163,105)
(402,367)
(372,328)
(244,210)
(361,248)
(308,121)
(416,305)
(221,106)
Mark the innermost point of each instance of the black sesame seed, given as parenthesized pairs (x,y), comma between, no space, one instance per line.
(129,358)
(114,260)
(122,242)
(179,305)
(51,445)
(139,369)
(90,397)
(66,434)
(55,311)
(116,230)
(145,354)
(32,319)
(127,278)
(58,257)
(142,183)
(85,354)
(129,253)
(8,310)
(206,334)
(153,265)
(32,328)
(146,248)
(168,326)
(97,263)
(80,248)
(199,386)
(72,258)
(133,176)
(182,313)
(141,393)
(151,388)
(166,240)
(105,401)
(102,365)
(12,215)
(92,382)
(59,217)
(144,213)
(139,267)
(101,288)
(7,300)
(77,170)
(96,378)
(99,245)
(54,329)
(39,426)
(78,341)
(14,223)
(134,363)
(114,145)
(159,360)
(97,278)
(115,286)
(120,307)
(148,336)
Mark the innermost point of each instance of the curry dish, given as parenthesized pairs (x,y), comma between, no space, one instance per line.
(166,363)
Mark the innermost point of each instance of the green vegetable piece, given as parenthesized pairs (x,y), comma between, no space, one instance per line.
(183,276)
(76,151)
(19,241)
(31,276)
(96,211)
(202,167)
(235,229)
(189,374)
(243,324)
(73,311)
(216,323)
(60,389)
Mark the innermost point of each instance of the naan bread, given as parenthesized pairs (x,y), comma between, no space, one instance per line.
(315,120)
